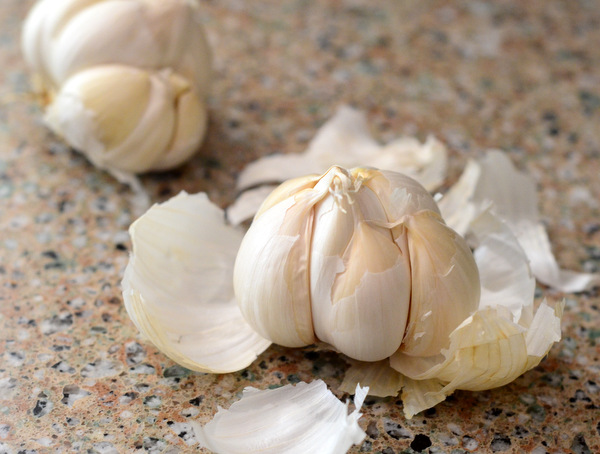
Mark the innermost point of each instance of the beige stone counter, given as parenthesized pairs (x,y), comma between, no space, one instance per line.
(523,77)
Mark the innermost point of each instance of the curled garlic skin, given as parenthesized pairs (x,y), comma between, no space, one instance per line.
(358,259)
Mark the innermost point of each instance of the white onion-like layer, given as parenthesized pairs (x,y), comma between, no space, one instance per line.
(178,286)
(293,419)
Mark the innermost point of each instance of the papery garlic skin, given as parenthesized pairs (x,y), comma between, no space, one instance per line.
(129,120)
(340,259)
(63,37)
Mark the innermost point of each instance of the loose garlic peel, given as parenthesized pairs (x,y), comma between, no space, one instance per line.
(177,286)
(360,260)
(129,120)
(292,419)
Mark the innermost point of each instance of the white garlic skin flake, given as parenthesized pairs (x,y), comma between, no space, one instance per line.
(358,259)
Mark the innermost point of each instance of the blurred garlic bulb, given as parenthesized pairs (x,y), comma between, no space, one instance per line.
(360,260)
(63,37)
(129,120)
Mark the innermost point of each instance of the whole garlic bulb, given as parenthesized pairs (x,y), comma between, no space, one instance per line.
(360,260)
(129,120)
(61,38)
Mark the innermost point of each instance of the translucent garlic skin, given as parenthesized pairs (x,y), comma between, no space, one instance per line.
(63,37)
(360,260)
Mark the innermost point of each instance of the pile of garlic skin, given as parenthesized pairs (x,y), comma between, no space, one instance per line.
(421,295)
(126,80)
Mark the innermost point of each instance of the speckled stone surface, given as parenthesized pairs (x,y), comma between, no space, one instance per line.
(520,76)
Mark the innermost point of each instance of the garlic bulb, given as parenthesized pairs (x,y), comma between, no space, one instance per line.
(129,120)
(360,260)
(63,37)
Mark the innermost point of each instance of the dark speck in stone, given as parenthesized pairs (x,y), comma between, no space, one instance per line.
(263,365)
(580,396)
(98,329)
(420,443)
(520,432)
(120,247)
(388,451)
(106,317)
(213,163)
(293,378)
(493,413)
(500,443)
(176,371)
(196,401)
(283,358)
(311,355)
(367,446)
(537,412)
(549,116)
(430,412)
(553,130)
(50,254)
(395,430)
(579,445)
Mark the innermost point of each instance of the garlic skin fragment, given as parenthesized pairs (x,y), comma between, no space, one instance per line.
(178,290)
(341,259)
(128,120)
(293,419)
(493,183)
(343,141)
(63,37)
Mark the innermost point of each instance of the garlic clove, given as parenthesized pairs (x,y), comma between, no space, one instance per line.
(271,271)
(191,120)
(292,419)
(183,305)
(445,283)
(493,180)
(500,341)
(126,119)
(359,278)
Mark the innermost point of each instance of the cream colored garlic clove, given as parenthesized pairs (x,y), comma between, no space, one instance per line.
(357,259)
(63,37)
(129,120)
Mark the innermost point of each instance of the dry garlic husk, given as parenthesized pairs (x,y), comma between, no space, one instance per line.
(129,120)
(178,287)
(293,419)
(344,141)
(360,260)
(63,37)
(493,183)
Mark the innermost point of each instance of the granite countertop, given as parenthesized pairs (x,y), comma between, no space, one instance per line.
(523,77)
